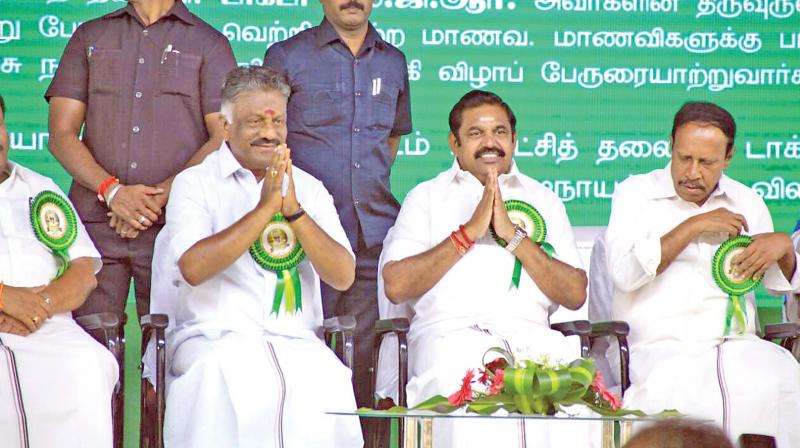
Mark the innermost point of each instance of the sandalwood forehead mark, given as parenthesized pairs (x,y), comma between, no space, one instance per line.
(269,112)
(487,118)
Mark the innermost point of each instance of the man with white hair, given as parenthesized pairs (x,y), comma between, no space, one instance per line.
(248,366)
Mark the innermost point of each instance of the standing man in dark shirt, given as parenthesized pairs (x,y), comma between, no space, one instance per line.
(144,82)
(350,105)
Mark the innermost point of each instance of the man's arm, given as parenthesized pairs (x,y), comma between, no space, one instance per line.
(719,220)
(413,276)
(214,126)
(333,263)
(131,201)
(560,282)
(394,144)
(66,293)
(215,253)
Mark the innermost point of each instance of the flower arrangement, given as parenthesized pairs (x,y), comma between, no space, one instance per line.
(530,387)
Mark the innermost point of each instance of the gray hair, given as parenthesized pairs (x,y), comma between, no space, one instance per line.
(244,79)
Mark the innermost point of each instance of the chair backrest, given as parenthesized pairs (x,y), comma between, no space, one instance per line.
(163,291)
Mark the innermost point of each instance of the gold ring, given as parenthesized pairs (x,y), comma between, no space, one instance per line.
(273,173)
(35,319)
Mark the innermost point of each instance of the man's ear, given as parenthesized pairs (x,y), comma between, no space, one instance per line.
(453,142)
(729,157)
(226,133)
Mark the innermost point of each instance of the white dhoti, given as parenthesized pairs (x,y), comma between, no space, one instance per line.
(259,391)
(745,385)
(66,380)
(439,361)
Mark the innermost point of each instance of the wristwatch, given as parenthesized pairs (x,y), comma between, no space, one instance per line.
(519,235)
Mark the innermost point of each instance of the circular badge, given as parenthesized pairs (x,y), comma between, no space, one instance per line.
(723,272)
(526,216)
(278,248)
(53,220)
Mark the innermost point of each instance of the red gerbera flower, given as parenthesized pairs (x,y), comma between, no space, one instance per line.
(497,383)
(498,363)
(484,376)
(465,393)
(605,394)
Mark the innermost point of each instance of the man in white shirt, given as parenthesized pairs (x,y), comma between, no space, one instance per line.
(56,381)
(441,258)
(664,230)
(248,367)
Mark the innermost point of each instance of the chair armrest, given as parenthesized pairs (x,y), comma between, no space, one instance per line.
(788,333)
(344,326)
(98,321)
(398,326)
(616,328)
(620,330)
(580,328)
(781,331)
(108,326)
(338,324)
(155,325)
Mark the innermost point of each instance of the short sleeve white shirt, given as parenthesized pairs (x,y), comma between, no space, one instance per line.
(24,260)
(476,290)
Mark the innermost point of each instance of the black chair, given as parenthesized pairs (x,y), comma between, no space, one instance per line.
(400,326)
(108,329)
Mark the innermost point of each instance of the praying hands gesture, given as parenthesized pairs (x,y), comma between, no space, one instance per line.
(490,210)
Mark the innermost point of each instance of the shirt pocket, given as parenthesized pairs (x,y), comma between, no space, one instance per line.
(384,108)
(320,106)
(105,70)
(179,74)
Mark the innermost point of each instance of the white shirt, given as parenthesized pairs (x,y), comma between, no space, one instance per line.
(24,260)
(207,199)
(683,302)
(475,291)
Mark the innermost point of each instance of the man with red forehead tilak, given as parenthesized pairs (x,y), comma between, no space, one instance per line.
(252,236)
(685,245)
(482,254)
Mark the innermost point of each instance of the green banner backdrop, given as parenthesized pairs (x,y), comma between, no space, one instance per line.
(594,83)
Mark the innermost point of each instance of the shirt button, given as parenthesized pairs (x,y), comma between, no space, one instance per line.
(355,61)
(135,129)
(141,60)
(356,130)
(357,165)
(358,93)
(145,32)
(134,165)
(138,94)
(355,203)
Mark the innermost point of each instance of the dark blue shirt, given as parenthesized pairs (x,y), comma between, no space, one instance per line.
(340,115)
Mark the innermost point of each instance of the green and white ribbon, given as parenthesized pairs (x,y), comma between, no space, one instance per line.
(735,286)
(279,251)
(55,225)
(526,216)
(537,388)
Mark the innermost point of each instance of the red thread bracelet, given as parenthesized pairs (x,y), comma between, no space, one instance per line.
(104,186)
(460,248)
(463,232)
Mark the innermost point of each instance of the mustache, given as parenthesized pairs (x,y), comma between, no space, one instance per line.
(691,184)
(486,149)
(352,4)
(265,141)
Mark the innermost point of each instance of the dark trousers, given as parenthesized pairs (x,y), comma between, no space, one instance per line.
(123,259)
(360,301)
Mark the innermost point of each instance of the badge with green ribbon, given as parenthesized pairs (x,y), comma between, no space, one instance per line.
(54,224)
(526,216)
(279,251)
(735,286)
